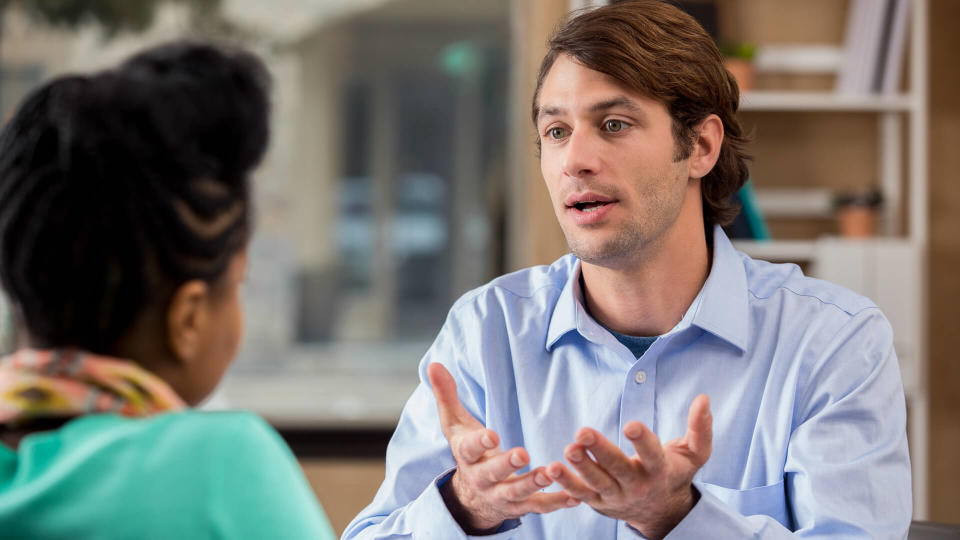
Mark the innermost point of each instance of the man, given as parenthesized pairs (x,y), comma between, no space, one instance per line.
(548,391)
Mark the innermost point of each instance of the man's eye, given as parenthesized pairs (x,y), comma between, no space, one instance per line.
(613,126)
(557,133)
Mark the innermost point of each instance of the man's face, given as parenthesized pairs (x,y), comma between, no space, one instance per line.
(607,156)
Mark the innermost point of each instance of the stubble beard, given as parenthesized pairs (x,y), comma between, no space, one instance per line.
(636,239)
(625,245)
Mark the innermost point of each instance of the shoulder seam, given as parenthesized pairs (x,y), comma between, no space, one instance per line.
(468,297)
(821,300)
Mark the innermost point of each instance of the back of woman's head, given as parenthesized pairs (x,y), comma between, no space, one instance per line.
(117,187)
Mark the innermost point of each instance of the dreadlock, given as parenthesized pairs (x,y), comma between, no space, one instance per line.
(117,187)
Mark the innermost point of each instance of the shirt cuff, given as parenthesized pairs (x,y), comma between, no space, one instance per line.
(431,516)
(711,518)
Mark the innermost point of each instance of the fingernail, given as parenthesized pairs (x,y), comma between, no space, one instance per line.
(486,441)
(572,502)
(576,456)
(633,432)
(515,460)
(541,479)
(585,438)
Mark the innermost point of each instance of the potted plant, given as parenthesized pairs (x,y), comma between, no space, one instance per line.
(738,59)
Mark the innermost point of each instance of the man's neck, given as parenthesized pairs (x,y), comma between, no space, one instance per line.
(649,296)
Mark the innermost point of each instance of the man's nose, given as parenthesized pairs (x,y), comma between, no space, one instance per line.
(581,157)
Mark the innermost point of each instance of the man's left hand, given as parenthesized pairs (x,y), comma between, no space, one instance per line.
(652,490)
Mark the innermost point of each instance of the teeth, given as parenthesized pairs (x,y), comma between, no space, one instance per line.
(589,206)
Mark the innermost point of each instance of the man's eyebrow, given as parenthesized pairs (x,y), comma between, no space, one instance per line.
(549,111)
(620,101)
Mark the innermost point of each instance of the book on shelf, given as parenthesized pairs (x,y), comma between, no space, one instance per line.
(874,43)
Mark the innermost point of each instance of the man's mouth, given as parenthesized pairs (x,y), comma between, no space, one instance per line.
(590,206)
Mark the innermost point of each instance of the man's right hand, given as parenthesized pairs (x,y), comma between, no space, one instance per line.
(485,491)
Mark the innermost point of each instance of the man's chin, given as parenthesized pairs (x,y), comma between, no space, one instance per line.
(608,254)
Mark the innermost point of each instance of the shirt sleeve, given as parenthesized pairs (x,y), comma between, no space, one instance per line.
(409,504)
(261,490)
(847,470)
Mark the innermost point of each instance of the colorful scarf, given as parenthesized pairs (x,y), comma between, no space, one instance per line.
(67,383)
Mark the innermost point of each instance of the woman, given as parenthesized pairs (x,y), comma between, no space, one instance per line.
(124,222)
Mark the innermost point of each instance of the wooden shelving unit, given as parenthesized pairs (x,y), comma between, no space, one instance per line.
(891,268)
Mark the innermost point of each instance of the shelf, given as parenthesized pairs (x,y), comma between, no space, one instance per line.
(778,250)
(824,101)
(811,203)
(810,250)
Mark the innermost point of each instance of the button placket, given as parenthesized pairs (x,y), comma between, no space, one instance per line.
(637,403)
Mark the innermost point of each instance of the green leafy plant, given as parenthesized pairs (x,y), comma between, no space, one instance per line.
(743,51)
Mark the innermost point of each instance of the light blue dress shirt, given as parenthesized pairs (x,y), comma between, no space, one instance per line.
(805,390)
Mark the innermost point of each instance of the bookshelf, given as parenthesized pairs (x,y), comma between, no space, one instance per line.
(891,267)
(780,101)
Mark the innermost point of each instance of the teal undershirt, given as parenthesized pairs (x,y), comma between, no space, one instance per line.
(637,344)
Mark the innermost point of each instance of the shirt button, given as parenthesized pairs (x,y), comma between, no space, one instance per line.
(640,377)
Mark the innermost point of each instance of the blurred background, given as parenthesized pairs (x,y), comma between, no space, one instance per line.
(402,174)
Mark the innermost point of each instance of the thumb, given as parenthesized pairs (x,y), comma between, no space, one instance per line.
(452,413)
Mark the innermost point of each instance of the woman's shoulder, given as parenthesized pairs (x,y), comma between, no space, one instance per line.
(232,432)
(218,451)
(228,472)
(184,436)
(230,424)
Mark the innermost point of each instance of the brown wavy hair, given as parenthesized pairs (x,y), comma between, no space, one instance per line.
(655,49)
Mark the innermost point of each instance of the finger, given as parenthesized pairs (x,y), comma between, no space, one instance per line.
(699,435)
(571,483)
(451,411)
(609,457)
(542,503)
(593,475)
(468,447)
(521,487)
(647,445)
(499,468)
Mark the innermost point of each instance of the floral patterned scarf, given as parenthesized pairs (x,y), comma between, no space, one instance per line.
(39,384)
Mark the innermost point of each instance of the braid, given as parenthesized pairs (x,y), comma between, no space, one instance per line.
(118,187)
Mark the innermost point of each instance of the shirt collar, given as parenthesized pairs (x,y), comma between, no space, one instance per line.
(724,309)
(720,307)
(565,312)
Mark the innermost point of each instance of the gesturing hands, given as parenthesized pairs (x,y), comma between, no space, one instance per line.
(651,490)
(485,491)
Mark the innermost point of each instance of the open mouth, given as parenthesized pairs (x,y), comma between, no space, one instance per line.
(590,206)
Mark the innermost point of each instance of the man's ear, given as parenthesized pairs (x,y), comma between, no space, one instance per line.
(187,320)
(706,149)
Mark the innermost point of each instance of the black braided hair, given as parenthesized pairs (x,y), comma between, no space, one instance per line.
(116,188)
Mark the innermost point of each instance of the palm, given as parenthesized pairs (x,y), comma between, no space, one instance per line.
(650,490)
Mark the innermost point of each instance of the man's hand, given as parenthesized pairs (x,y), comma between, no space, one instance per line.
(652,490)
(484,491)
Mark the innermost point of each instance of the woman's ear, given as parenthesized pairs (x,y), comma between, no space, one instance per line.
(187,320)
(706,149)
